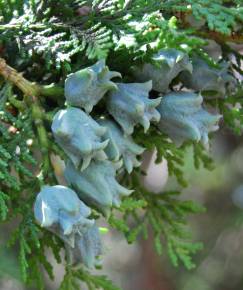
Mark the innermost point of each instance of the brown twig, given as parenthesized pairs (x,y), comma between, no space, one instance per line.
(27,87)
(32,91)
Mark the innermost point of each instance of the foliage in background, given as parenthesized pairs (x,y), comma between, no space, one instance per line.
(46,40)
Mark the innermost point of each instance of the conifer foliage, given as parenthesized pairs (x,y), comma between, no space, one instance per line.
(97,83)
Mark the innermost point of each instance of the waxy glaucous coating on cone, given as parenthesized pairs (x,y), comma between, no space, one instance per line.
(86,87)
(59,209)
(96,185)
(120,145)
(88,249)
(79,136)
(165,66)
(205,78)
(183,118)
(130,105)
